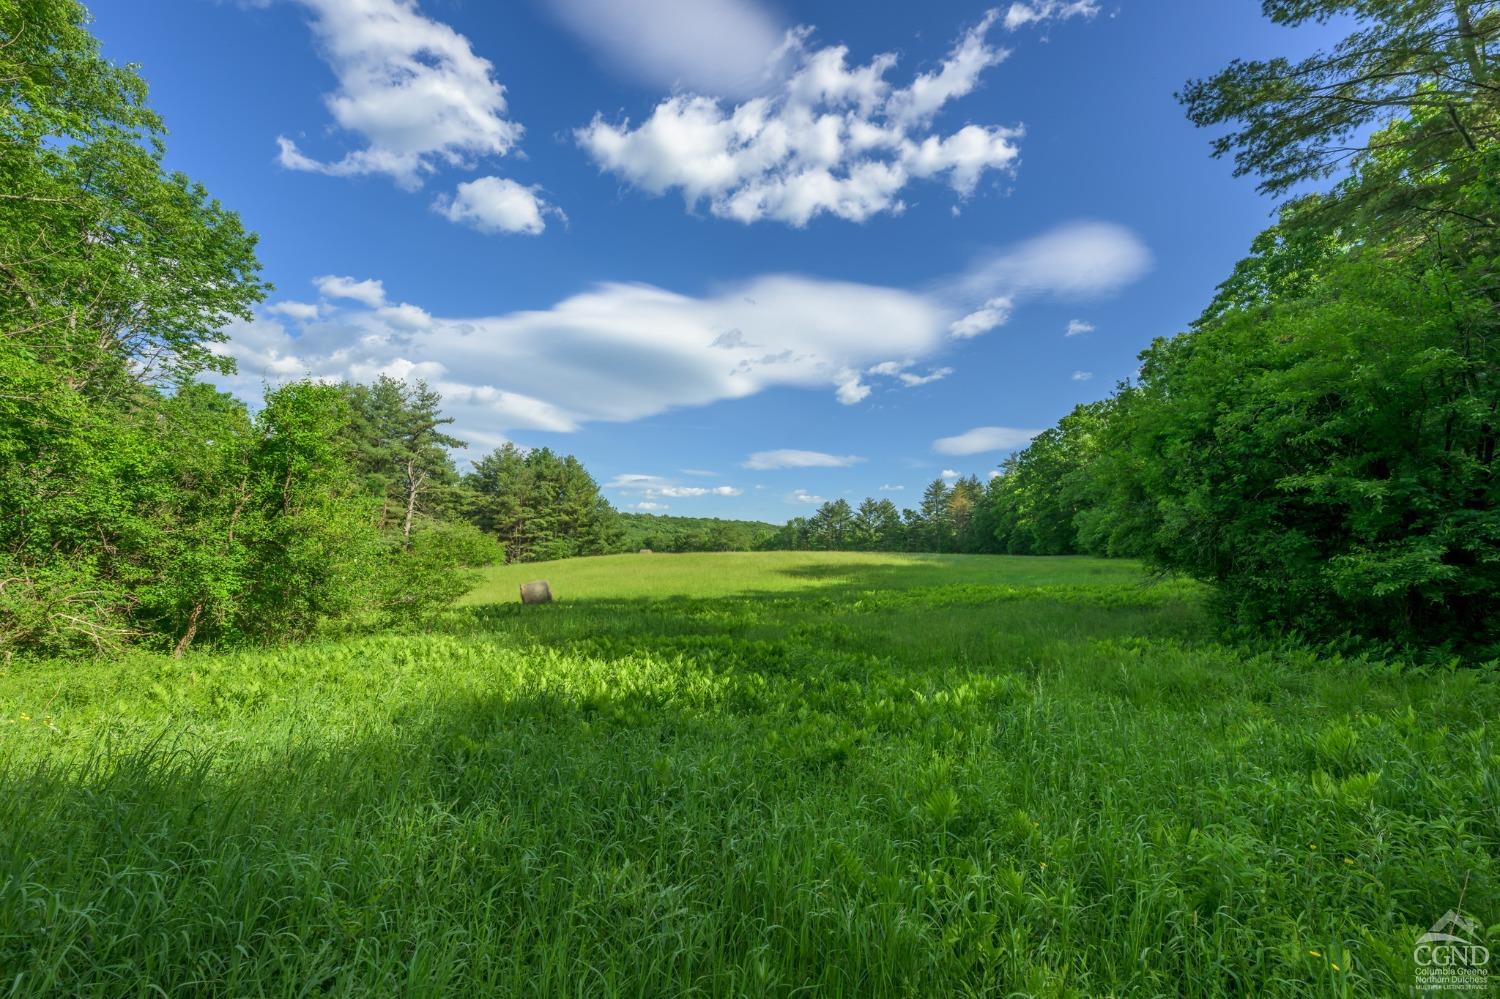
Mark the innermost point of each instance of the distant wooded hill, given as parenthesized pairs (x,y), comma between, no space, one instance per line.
(692,534)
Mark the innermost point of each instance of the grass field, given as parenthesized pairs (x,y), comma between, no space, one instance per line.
(766,774)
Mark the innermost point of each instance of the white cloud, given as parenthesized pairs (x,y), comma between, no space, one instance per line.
(654,487)
(648,506)
(410,87)
(406,317)
(983,439)
(995,312)
(898,370)
(762,461)
(1078,327)
(950,474)
(892,489)
(1078,260)
(830,139)
(370,292)
(635,481)
(935,375)
(620,352)
(803,496)
(678,492)
(1082,376)
(995,473)
(719,46)
(1037,11)
(303,311)
(850,388)
(495,205)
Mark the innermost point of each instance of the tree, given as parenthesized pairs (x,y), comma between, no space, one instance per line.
(116,281)
(110,266)
(831,528)
(540,506)
(398,445)
(1408,101)
(936,531)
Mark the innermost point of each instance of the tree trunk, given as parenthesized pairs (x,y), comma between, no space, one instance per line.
(413,487)
(192,629)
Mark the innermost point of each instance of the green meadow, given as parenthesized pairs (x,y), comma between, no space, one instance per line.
(748,774)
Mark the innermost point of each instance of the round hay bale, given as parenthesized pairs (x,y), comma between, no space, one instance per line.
(536,592)
(646,551)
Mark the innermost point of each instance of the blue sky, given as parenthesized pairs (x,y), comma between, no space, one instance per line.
(736,255)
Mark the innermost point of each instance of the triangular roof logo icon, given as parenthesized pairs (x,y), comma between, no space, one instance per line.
(1453,927)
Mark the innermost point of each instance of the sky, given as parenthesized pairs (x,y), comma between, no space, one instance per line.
(738,256)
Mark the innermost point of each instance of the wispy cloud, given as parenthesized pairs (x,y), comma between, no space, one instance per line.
(717,46)
(619,352)
(762,461)
(984,439)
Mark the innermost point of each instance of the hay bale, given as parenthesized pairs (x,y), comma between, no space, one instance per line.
(645,551)
(536,592)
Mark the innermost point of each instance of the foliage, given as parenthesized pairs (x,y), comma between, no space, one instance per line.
(539,506)
(750,774)
(137,504)
(661,533)
(399,450)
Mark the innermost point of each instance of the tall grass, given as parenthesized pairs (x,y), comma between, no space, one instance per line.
(748,775)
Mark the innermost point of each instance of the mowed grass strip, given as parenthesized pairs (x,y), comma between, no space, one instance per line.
(748,775)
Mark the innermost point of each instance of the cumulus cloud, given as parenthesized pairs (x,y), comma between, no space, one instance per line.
(983,439)
(1077,327)
(368,292)
(950,474)
(405,317)
(410,87)
(303,311)
(715,46)
(497,205)
(1019,15)
(803,496)
(1082,376)
(762,461)
(995,312)
(829,138)
(647,506)
(892,489)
